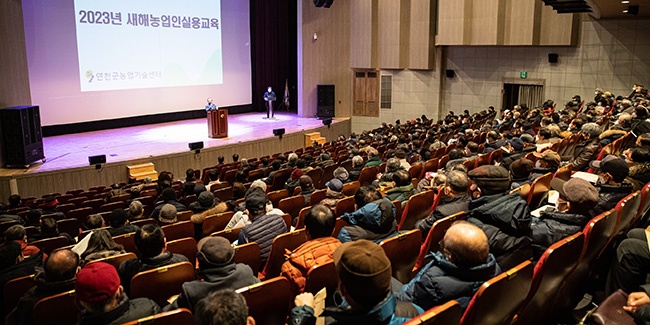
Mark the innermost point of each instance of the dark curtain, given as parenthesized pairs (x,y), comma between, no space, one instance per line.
(273,49)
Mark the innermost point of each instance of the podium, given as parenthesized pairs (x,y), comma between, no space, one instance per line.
(218,123)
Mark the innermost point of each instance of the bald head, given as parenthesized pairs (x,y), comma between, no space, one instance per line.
(61,265)
(466,244)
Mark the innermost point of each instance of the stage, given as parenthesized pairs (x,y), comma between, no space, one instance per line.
(166,145)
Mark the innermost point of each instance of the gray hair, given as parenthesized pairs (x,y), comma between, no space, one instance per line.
(592,129)
(135,208)
(357,161)
(293,156)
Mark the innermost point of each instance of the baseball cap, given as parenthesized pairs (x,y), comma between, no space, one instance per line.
(613,165)
(97,281)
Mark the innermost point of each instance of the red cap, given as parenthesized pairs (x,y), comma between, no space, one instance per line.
(97,281)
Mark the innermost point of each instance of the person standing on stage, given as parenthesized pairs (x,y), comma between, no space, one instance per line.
(210,106)
(269,98)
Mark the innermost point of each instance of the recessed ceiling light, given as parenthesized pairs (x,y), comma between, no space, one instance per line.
(625,1)
(625,11)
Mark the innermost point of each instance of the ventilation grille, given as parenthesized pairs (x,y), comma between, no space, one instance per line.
(386,91)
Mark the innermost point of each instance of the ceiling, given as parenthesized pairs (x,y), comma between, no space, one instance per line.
(614,8)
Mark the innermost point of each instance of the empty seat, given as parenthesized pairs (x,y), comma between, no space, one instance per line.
(351,188)
(178,230)
(15,289)
(70,226)
(498,299)
(269,301)
(402,251)
(184,246)
(80,214)
(161,283)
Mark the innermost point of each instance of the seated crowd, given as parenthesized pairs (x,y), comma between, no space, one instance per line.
(355,194)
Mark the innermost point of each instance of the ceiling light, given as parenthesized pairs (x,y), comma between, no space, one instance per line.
(625,11)
(625,1)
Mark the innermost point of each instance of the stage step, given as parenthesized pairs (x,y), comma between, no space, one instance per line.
(321,140)
(142,170)
(311,137)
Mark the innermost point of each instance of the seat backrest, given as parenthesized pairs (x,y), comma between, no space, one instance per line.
(15,289)
(248,254)
(70,226)
(539,190)
(328,174)
(442,162)
(367,175)
(280,177)
(317,196)
(448,313)
(645,200)
(64,208)
(180,316)
(281,244)
(216,222)
(322,276)
(416,170)
(351,188)
(161,283)
(47,245)
(147,221)
(256,174)
(301,217)
(316,174)
(402,251)
(278,195)
(340,223)
(178,230)
(597,233)
(551,270)
(223,194)
(185,215)
(435,235)
(418,207)
(80,214)
(430,165)
(563,173)
(116,260)
(60,307)
(627,210)
(185,247)
(292,205)
(6,225)
(344,205)
(111,206)
(498,299)
(93,203)
(230,234)
(128,241)
(269,301)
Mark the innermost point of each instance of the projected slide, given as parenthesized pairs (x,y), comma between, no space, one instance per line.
(131,44)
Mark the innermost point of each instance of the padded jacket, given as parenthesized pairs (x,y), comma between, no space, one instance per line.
(551,227)
(584,153)
(374,221)
(25,308)
(263,230)
(129,268)
(505,219)
(441,280)
(401,193)
(317,251)
(388,312)
(232,276)
(608,197)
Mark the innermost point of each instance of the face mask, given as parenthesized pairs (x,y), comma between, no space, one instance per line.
(596,93)
(538,164)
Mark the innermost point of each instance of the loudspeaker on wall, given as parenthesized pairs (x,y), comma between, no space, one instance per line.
(450,73)
(552,57)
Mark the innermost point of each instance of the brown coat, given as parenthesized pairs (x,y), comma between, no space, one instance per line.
(199,217)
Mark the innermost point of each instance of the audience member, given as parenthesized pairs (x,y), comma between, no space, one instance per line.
(94,221)
(373,157)
(318,250)
(454,199)
(49,207)
(13,264)
(205,201)
(50,229)
(15,201)
(357,166)
(152,245)
(307,188)
(168,197)
(223,307)
(101,245)
(505,218)
(548,161)
(333,193)
(58,275)
(587,148)
(364,274)
(18,234)
(102,298)
(263,227)
(374,218)
(168,215)
(521,171)
(639,160)
(217,270)
(136,211)
(6,217)
(33,218)
(611,183)
(120,223)
(577,197)
(455,272)
(402,187)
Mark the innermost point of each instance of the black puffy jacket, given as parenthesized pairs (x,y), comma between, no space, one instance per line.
(505,219)
(551,227)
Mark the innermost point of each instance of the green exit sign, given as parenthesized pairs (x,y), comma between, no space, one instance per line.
(523,74)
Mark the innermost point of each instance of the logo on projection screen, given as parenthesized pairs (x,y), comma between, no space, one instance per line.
(123,44)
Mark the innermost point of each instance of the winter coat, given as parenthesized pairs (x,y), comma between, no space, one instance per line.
(610,135)
(263,230)
(129,268)
(441,280)
(584,153)
(505,219)
(551,227)
(401,193)
(639,175)
(388,312)
(374,221)
(331,198)
(24,312)
(608,197)
(446,207)
(317,251)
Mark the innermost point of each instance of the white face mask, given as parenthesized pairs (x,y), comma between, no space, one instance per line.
(596,93)
(538,164)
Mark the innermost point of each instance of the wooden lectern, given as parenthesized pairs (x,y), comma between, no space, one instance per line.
(218,123)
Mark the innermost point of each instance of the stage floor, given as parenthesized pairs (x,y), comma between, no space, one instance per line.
(72,150)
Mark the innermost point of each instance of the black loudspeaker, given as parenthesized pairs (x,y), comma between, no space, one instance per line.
(196,146)
(95,160)
(552,57)
(323,3)
(22,140)
(278,132)
(326,98)
(450,73)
